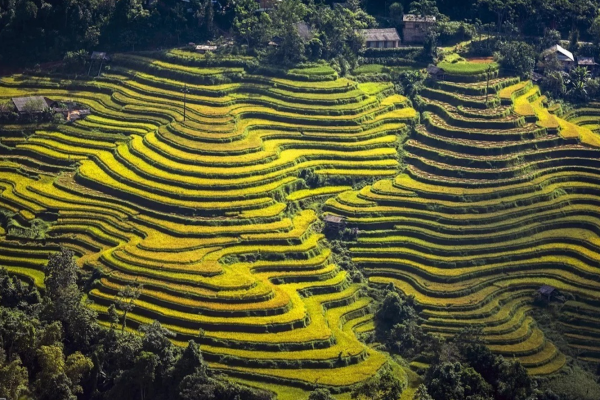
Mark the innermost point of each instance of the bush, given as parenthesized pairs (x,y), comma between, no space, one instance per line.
(455,31)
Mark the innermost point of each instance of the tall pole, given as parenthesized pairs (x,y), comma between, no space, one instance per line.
(487,87)
(185,91)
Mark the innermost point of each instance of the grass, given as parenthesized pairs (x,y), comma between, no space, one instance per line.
(323,191)
(466,68)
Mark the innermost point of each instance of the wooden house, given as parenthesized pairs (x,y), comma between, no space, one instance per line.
(32,104)
(589,63)
(416,27)
(435,73)
(381,38)
(564,56)
(334,222)
(266,5)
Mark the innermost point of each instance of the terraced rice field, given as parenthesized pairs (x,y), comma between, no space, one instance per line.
(497,199)
(493,197)
(197,210)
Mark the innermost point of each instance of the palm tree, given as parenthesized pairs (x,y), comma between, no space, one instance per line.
(578,80)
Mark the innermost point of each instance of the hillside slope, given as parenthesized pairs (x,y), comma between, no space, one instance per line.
(195,209)
(498,198)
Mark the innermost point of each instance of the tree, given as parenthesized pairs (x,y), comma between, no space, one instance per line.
(594,30)
(126,298)
(76,367)
(76,60)
(286,18)
(574,41)
(143,372)
(320,394)
(551,37)
(406,338)
(59,379)
(499,7)
(189,363)
(199,387)
(250,27)
(454,381)
(516,56)
(14,377)
(383,387)
(512,381)
(16,293)
(424,7)
(66,299)
(60,274)
(396,11)
(156,341)
(395,310)
(113,316)
(421,393)
(577,83)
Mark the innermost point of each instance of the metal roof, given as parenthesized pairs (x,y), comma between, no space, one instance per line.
(561,50)
(380,35)
(586,61)
(98,55)
(205,47)
(334,219)
(546,290)
(418,18)
(30,104)
(304,30)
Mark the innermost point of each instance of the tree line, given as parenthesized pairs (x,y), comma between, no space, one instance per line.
(35,31)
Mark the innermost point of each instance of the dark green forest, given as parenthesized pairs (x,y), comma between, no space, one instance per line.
(38,31)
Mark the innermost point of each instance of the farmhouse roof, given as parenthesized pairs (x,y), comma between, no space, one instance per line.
(561,51)
(334,219)
(304,30)
(34,103)
(419,18)
(205,47)
(380,35)
(586,61)
(99,55)
(434,70)
(546,290)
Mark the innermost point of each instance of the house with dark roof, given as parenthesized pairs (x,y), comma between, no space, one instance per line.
(588,62)
(548,293)
(435,73)
(416,27)
(381,38)
(99,55)
(266,5)
(32,104)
